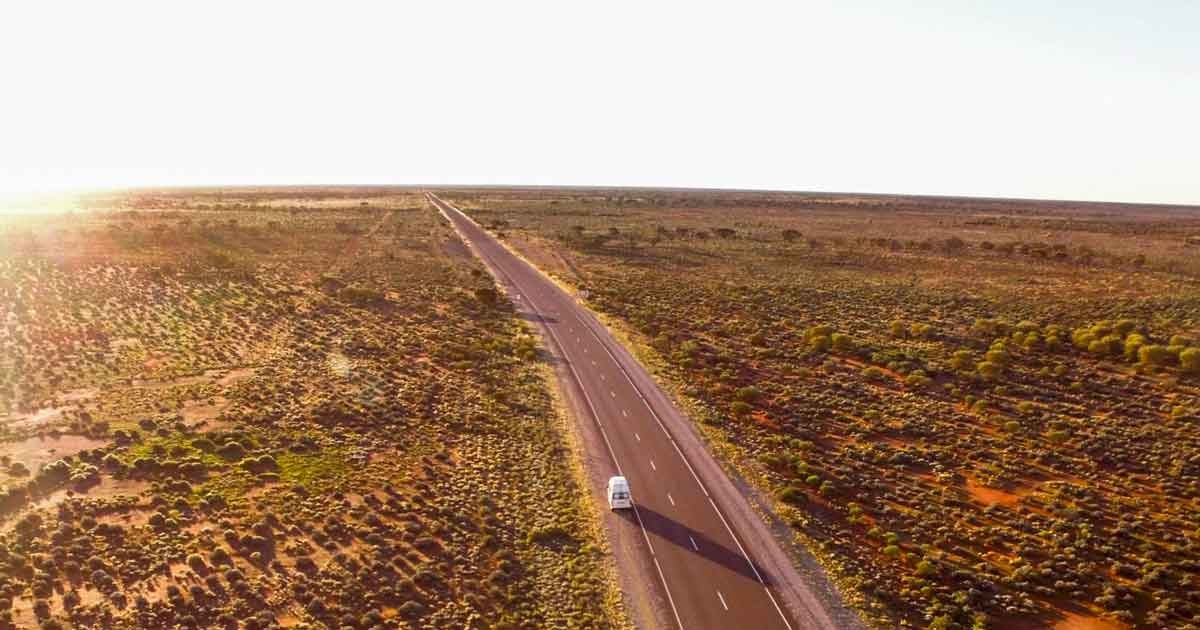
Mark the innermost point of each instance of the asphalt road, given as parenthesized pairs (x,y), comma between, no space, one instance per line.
(717,564)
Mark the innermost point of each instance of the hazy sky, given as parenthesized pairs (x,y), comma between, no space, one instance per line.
(1033,99)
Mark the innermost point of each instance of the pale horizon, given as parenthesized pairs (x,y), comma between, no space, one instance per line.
(1020,101)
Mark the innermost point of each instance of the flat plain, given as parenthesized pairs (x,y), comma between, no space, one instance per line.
(978,413)
(278,407)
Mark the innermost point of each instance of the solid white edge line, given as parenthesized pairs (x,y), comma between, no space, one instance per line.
(669,598)
(724,522)
(777,608)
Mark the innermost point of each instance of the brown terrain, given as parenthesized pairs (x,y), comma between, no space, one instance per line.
(257,408)
(978,413)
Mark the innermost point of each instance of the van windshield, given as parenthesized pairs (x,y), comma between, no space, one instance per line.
(620,495)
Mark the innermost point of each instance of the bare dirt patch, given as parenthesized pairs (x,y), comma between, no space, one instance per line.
(994,496)
(39,450)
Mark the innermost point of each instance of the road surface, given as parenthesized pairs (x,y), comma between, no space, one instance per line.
(716,563)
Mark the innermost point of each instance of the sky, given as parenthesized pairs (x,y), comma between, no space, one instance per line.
(1090,101)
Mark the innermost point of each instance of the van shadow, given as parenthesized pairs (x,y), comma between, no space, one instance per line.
(682,535)
(536,318)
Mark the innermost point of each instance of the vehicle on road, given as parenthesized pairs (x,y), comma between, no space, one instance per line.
(618,494)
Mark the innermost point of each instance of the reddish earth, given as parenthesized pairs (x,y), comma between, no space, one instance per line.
(994,496)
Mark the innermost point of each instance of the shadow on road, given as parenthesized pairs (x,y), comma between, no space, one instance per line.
(535,318)
(682,535)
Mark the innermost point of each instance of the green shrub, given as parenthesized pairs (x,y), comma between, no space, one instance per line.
(962,360)
(926,568)
(1133,343)
(989,370)
(747,394)
(793,496)
(998,354)
(874,373)
(1189,360)
(842,343)
(1155,355)
(917,379)
(231,450)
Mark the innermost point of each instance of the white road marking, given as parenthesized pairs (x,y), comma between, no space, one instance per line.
(614,394)
(625,412)
(652,466)
(694,545)
(691,470)
(722,598)
(499,271)
(593,363)
(637,437)
(777,608)
(670,498)
(603,378)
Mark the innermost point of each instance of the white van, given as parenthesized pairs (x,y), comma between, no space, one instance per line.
(618,494)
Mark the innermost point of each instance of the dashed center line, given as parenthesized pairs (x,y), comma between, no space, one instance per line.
(722,598)
(670,498)
(614,394)
(652,467)
(637,437)
(625,412)
(694,545)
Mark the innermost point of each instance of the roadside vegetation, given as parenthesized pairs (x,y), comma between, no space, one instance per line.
(978,413)
(277,408)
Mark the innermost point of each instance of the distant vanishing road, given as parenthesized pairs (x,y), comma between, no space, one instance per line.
(716,562)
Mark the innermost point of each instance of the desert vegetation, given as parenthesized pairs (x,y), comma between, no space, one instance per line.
(978,413)
(259,408)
